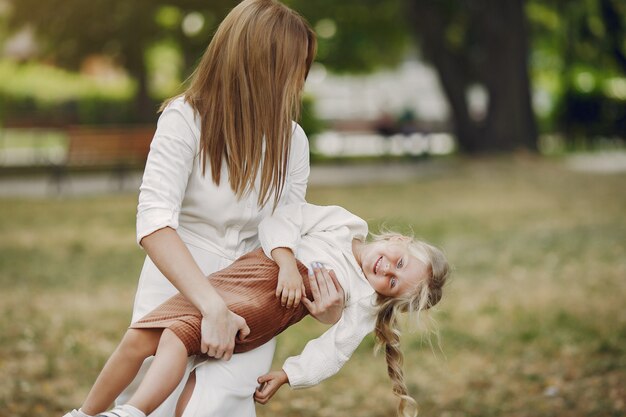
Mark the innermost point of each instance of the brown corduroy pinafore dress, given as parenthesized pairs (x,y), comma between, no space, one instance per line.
(248,286)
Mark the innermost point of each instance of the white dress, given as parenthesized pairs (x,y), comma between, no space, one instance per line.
(217,228)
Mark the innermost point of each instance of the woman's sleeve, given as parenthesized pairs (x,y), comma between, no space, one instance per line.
(323,357)
(300,169)
(167,171)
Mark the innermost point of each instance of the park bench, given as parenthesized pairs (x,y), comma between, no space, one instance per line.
(118,150)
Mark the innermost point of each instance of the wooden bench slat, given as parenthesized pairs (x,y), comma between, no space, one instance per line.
(108,146)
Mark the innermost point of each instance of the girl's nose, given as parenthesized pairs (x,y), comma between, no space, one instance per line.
(390,267)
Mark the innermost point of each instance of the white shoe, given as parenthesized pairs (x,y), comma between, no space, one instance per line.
(73,413)
(116,412)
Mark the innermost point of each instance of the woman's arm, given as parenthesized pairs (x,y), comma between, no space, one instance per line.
(220,326)
(299,167)
(170,163)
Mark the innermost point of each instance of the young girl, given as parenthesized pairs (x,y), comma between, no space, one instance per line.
(381,278)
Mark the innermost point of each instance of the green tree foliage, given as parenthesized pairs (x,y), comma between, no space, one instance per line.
(70,30)
(357,36)
(579,54)
(572,45)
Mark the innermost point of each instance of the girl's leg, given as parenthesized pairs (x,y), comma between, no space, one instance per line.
(164,375)
(121,368)
(183,400)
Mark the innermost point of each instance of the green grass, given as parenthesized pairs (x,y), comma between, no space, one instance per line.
(532,322)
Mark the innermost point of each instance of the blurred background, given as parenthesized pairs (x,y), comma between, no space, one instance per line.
(492,128)
(473,76)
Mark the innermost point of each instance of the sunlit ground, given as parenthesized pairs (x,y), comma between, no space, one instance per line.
(532,323)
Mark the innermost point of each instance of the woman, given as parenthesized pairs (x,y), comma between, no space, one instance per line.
(225,154)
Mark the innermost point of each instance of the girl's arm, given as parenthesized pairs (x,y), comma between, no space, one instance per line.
(286,226)
(290,287)
(284,229)
(269,384)
(326,307)
(323,357)
(220,326)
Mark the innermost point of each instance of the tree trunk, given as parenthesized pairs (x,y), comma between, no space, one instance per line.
(615,31)
(429,25)
(145,108)
(502,67)
(510,122)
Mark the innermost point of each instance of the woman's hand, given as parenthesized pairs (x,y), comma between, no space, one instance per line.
(328,296)
(220,326)
(269,384)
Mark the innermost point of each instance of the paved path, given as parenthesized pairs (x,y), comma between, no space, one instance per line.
(348,174)
(42,186)
(598,162)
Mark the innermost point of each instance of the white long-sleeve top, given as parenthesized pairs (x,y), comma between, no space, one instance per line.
(175,193)
(324,234)
(216,226)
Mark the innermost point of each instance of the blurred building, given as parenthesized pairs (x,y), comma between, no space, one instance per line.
(396,112)
(412,86)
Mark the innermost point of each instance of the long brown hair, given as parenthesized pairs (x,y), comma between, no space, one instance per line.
(423,297)
(246,91)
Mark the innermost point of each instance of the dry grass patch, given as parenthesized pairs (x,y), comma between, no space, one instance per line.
(532,323)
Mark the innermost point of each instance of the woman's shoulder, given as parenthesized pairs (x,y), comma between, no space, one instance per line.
(180,110)
(298,132)
(181,106)
(299,140)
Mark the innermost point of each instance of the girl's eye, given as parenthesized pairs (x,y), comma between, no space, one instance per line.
(393,282)
(400,263)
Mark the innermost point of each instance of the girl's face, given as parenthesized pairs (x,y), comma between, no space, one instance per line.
(391,269)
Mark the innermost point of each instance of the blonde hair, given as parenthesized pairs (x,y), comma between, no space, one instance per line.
(247,90)
(424,296)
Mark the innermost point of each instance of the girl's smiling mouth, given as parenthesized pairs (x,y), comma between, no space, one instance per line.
(377,264)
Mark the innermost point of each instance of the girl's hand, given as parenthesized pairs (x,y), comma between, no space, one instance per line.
(328,296)
(269,384)
(290,287)
(219,328)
